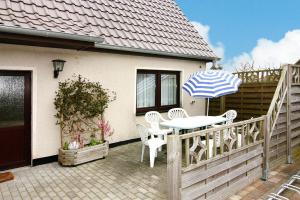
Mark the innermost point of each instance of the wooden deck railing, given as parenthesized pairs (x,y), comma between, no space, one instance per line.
(278,98)
(189,166)
(295,74)
(248,131)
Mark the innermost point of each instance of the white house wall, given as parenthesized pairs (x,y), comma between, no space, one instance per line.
(115,71)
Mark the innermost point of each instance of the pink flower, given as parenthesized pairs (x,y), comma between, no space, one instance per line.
(105,128)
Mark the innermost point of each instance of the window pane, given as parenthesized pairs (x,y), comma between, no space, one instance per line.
(145,90)
(168,89)
(11,101)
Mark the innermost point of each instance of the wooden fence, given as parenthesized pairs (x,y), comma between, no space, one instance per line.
(294,93)
(214,168)
(275,94)
(253,97)
(217,162)
(259,76)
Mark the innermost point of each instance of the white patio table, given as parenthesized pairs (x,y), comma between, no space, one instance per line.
(192,122)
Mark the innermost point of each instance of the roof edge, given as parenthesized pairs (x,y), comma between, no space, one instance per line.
(50,34)
(153,52)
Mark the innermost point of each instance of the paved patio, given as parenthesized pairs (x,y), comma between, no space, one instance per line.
(120,176)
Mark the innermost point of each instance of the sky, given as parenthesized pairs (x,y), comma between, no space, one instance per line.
(265,33)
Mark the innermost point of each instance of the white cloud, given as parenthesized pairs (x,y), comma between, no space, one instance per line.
(203,30)
(268,53)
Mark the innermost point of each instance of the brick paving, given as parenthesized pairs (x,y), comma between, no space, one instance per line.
(119,176)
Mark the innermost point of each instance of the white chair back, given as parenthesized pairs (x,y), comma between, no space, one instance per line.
(175,113)
(143,132)
(154,118)
(230,116)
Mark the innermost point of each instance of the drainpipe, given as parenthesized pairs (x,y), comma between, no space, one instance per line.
(214,65)
(49,34)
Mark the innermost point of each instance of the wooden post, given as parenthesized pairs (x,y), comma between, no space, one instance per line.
(222,104)
(288,115)
(207,146)
(174,150)
(266,133)
(221,141)
(187,151)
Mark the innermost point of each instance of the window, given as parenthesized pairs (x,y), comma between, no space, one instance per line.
(157,90)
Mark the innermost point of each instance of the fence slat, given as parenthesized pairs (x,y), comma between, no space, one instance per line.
(191,177)
(288,116)
(195,191)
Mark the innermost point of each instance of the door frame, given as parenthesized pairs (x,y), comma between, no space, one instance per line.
(33,105)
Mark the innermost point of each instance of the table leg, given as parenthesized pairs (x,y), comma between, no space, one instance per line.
(160,137)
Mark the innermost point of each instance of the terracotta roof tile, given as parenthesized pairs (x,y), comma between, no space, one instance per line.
(146,24)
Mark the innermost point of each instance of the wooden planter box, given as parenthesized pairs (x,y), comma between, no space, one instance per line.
(83,155)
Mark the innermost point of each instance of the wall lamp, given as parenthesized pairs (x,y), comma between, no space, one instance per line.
(58,66)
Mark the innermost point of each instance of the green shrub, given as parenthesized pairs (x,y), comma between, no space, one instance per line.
(80,105)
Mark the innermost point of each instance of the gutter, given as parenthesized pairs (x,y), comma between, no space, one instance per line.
(153,52)
(50,34)
(98,42)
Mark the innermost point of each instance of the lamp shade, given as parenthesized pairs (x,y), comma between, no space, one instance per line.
(58,64)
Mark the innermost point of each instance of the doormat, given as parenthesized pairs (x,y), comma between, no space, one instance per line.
(7,176)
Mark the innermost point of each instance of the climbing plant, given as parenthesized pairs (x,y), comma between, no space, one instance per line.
(80,104)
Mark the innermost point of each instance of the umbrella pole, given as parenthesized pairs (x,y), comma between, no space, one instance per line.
(207,106)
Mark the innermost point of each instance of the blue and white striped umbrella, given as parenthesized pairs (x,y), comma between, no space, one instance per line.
(211,84)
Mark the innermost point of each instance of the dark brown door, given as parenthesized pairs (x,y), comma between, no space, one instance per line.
(15,119)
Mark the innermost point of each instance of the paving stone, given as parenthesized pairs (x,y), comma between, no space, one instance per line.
(273,173)
(235,197)
(275,180)
(119,176)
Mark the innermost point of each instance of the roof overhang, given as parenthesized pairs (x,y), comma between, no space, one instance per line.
(91,43)
(50,34)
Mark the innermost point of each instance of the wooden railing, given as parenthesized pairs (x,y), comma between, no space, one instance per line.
(267,75)
(278,99)
(236,135)
(239,144)
(296,74)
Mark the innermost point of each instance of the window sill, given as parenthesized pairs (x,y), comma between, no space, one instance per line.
(160,110)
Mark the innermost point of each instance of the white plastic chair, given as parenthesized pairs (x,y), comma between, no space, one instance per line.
(153,143)
(230,115)
(154,119)
(175,113)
